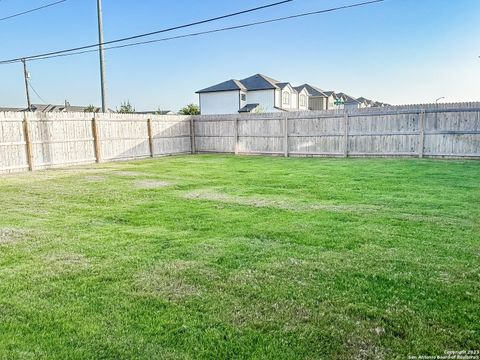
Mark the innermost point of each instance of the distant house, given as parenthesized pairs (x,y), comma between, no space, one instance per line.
(46,108)
(49,108)
(260,93)
(318,99)
(366,102)
(349,102)
(255,93)
(10,109)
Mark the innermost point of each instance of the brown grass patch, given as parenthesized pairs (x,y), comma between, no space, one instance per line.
(168,280)
(66,262)
(11,236)
(129,173)
(96,178)
(282,204)
(151,184)
(365,349)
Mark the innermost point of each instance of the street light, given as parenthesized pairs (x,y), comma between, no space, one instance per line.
(440,98)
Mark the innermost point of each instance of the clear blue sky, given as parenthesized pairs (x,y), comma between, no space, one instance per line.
(399,51)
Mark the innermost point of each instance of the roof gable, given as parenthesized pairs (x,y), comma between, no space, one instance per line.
(301,90)
(229,85)
(259,82)
(311,90)
(348,98)
(286,85)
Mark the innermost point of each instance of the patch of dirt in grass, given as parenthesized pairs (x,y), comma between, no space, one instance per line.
(365,349)
(96,178)
(66,262)
(168,280)
(129,173)
(11,236)
(151,184)
(288,314)
(252,307)
(276,203)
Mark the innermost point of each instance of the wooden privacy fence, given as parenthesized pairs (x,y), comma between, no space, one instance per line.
(30,141)
(446,131)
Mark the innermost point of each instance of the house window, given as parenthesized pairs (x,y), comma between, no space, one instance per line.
(286,98)
(243,97)
(303,100)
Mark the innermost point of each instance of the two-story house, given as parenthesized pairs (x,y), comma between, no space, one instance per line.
(257,93)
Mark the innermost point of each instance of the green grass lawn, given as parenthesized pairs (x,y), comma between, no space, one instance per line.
(219,257)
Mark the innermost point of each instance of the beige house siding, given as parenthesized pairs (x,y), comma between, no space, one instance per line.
(304,94)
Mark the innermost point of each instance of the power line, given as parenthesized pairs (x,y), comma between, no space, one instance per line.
(212,31)
(149,33)
(36,93)
(32,10)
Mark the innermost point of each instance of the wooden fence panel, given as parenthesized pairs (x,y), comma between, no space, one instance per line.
(396,134)
(123,136)
(13,154)
(452,134)
(171,136)
(264,136)
(215,135)
(316,136)
(65,139)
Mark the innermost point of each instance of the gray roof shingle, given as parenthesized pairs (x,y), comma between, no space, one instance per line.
(312,90)
(248,108)
(229,85)
(255,82)
(259,82)
(283,85)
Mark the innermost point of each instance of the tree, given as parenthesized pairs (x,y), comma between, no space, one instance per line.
(190,109)
(126,108)
(90,109)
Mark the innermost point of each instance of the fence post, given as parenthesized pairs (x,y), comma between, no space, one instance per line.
(96,140)
(150,136)
(192,136)
(236,136)
(346,125)
(27,134)
(421,134)
(285,134)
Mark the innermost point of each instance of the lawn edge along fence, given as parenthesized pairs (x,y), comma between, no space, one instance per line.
(30,141)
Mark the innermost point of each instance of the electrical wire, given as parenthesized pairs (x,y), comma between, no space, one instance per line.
(149,33)
(36,93)
(32,10)
(212,31)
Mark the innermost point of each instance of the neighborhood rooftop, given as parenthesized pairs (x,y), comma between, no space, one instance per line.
(255,82)
(263,93)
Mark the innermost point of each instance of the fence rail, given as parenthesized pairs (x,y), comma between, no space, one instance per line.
(30,141)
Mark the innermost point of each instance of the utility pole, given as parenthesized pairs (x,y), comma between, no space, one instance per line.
(26,75)
(102,57)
